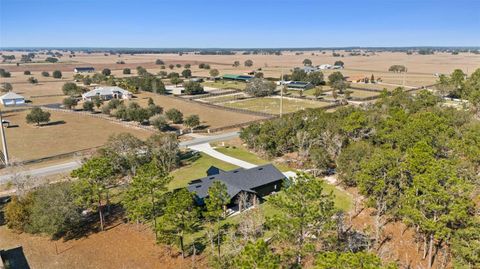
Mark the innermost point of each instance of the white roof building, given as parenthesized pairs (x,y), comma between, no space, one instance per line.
(12,99)
(309,69)
(107,93)
(325,66)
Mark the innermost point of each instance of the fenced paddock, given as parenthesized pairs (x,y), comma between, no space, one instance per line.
(271,105)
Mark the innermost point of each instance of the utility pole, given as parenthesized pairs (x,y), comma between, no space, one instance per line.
(281,94)
(4,141)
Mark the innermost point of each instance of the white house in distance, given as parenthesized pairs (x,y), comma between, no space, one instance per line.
(12,99)
(325,66)
(84,69)
(107,93)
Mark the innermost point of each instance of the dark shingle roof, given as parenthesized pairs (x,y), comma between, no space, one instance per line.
(237,180)
(85,68)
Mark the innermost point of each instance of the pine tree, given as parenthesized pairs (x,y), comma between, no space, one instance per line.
(145,193)
(304,214)
(91,189)
(180,217)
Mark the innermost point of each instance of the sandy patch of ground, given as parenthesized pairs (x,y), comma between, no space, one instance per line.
(78,132)
(122,246)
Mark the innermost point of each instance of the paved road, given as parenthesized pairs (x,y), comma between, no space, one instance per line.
(46,171)
(208,139)
(69,166)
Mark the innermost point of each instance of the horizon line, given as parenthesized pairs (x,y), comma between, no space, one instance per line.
(245,48)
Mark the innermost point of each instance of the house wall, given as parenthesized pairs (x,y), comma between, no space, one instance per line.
(269,188)
(12,102)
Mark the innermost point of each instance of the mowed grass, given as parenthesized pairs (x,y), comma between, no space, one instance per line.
(237,85)
(342,199)
(196,167)
(363,94)
(245,155)
(272,105)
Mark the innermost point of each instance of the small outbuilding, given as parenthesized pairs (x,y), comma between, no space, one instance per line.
(299,85)
(88,69)
(12,99)
(237,77)
(309,69)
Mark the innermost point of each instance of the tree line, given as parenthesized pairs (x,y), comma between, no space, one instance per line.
(412,158)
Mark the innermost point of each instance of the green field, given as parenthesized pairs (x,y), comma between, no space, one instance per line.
(363,94)
(196,167)
(238,85)
(245,155)
(272,105)
(342,199)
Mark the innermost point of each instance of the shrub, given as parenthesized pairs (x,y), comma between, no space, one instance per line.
(4,73)
(71,89)
(27,73)
(259,87)
(186,73)
(6,87)
(53,210)
(192,121)
(106,72)
(70,102)
(57,74)
(192,87)
(17,212)
(88,106)
(37,115)
(397,68)
(126,71)
(87,81)
(159,62)
(51,60)
(174,115)
(32,80)
(159,122)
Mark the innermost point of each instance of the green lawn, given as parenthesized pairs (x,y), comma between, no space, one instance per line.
(342,199)
(238,85)
(309,92)
(272,105)
(245,155)
(196,168)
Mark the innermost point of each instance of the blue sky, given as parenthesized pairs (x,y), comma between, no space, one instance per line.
(239,24)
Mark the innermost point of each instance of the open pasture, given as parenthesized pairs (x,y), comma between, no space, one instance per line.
(210,117)
(272,104)
(66,132)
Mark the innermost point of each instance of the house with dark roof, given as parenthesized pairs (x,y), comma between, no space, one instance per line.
(299,85)
(243,78)
(84,69)
(259,181)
